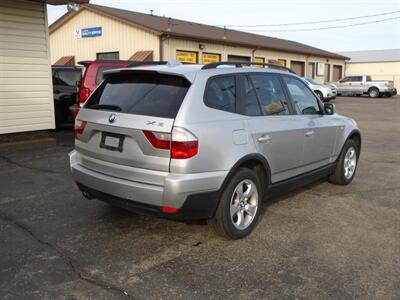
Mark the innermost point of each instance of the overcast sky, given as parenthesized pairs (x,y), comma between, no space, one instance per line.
(383,35)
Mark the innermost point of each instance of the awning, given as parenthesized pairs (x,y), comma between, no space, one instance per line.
(66,61)
(142,56)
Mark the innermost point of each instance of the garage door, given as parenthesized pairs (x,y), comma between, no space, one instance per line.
(297,67)
(337,73)
(238,58)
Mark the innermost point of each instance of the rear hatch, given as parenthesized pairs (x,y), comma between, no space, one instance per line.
(113,127)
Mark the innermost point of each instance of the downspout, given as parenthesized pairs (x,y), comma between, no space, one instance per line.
(162,39)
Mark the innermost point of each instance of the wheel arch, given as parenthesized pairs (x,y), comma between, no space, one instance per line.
(256,162)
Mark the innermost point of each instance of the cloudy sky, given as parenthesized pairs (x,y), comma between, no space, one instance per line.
(378,35)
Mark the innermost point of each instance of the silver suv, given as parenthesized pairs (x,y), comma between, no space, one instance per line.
(207,142)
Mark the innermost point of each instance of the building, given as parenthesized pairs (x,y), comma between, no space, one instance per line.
(380,64)
(26,93)
(98,32)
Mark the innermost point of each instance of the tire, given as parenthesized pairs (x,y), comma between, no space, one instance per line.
(236,225)
(346,166)
(320,95)
(373,93)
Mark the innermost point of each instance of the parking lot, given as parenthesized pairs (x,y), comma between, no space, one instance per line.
(321,241)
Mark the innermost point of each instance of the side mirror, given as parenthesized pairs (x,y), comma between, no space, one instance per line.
(329,108)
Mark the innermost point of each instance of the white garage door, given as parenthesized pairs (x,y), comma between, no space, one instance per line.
(26,97)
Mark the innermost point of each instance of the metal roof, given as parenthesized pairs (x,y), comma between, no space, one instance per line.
(387,55)
(200,32)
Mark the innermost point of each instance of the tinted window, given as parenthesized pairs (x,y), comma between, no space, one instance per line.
(304,101)
(346,79)
(355,78)
(99,77)
(251,106)
(66,77)
(142,94)
(221,93)
(270,94)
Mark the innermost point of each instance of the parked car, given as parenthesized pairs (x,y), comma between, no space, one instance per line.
(203,142)
(65,91)
(363,84)
(324,92)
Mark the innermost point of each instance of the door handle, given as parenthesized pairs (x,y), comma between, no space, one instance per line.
(310,133)
(264,138)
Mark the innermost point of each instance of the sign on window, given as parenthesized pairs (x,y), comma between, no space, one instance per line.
(186,56)
(208,58)
(260,60)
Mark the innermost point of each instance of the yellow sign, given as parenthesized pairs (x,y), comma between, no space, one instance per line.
(282,62)
(260,60)
(208,58)
(186,56)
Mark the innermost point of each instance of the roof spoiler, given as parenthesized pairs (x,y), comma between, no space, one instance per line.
(240,64)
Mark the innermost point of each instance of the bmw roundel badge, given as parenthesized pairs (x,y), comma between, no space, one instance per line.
(112,118)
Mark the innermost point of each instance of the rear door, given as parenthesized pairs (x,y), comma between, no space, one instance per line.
(277,134)
(119,113)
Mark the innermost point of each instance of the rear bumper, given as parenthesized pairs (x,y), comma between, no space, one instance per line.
(195,195)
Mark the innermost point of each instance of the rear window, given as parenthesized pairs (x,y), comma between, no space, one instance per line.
(155,95)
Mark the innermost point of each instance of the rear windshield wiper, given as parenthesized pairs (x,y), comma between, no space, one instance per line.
(105,107)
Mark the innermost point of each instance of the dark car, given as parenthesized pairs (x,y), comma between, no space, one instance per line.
(65,91)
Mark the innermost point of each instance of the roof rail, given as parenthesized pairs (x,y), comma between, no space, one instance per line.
(240,64)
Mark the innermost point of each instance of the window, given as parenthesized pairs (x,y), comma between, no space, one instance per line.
(141,94)
(107,55)
(100,72)
(369,78)
(208,58)
(249,101)
(346,79)
(221,93)
(304,101)
(260,60)
(66,77)
(282,62)
(270,94)
(355,78)
(186,56)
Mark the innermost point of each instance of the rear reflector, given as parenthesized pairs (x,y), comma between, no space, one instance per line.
(169,210)
(79,128)
(182,144)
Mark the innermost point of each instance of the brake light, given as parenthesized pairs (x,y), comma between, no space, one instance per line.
(169,210)
(84,94)
(181,143)
(79,128)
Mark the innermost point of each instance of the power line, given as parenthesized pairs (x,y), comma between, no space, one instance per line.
(330,27)
(315,22)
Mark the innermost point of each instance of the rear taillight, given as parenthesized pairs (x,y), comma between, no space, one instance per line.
(84,94)
(181,143)
(79,128)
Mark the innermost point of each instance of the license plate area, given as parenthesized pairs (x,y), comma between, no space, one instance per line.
(112,141)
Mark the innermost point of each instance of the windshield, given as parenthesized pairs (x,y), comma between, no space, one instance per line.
(312,81)
(155,95)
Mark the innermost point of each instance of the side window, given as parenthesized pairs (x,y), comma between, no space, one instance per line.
(270,94)
(346,79)
(304,101)
(221,93)
(355,79)
(66,77)
(249,102)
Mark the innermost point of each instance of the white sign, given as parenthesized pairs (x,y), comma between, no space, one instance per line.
(78,33)
(320,69)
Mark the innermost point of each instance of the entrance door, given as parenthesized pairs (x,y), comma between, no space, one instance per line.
(311,70)
(327,74)
(337,73)
(297,67)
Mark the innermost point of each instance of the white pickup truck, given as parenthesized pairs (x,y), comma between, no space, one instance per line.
(363,84)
